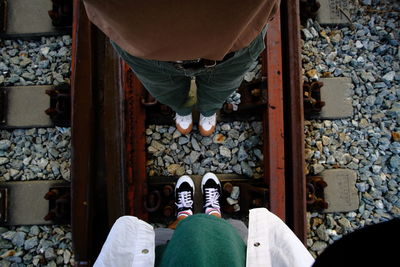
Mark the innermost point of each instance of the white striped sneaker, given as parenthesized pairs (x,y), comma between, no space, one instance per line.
(211,189)
(184,195)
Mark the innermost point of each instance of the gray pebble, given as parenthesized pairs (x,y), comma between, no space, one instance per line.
(319,246)
(5,144)
(31,243)
(18,239)
(225,152)
(317,168)
(183,140)
(246,170)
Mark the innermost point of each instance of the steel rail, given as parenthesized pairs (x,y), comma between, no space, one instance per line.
(274,157)
(294,119)
(98,161)
(82,120)
(135,144)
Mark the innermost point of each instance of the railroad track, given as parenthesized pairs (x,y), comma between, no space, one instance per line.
(109,125)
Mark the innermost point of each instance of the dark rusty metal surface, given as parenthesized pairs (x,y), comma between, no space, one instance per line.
(98,139)
(312,97)
(3,106)
(82,133)
(114,135)
(3,205)
(3,15)
(60,105)
(309,9)
(294,121)
(59,205)
(315,194)
(61,13)
(274,157)
(135,144)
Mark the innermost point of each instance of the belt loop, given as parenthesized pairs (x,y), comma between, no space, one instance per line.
(213,63)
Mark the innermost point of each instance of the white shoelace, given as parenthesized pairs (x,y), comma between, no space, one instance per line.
(207,122)
(212,196)
(184,200)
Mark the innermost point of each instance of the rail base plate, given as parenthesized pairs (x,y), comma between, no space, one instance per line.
(26,107)
(27,17)
(332,12)
(340,193)
(336,94)
(26,204)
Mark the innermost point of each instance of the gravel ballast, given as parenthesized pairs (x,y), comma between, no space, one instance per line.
(35,153)
(36,246)
(369,142)
(43,62)
(233,148)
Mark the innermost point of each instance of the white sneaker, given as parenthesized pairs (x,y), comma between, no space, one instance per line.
(207,124)
(184,124)
(211,189)
(184,196)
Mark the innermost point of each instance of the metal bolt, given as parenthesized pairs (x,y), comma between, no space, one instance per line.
(168,190)
(228,187)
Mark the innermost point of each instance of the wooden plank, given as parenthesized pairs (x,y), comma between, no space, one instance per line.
(273,120)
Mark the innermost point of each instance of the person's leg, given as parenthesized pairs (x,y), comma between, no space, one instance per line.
(216,85)
(241,228)
(163,235)
(169,89)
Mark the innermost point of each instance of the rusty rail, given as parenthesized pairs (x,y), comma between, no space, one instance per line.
(274,164)
(82,132)
(294,121)
(135,144)
(98,189)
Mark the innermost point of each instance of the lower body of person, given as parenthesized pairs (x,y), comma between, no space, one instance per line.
(169,82)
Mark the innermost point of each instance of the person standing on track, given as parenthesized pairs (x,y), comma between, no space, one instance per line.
(166,43)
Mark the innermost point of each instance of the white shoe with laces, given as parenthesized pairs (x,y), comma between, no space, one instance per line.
(207,124)
(184,195)
(211,188)
(184,124)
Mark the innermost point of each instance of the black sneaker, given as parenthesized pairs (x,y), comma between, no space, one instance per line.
(184,195)
(211,189)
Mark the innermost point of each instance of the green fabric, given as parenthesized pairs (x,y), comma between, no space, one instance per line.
(203,240)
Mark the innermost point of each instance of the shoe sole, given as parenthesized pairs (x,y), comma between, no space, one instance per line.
(206,133)
(184,131)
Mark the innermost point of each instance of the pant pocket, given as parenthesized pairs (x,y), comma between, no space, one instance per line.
(257,46)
